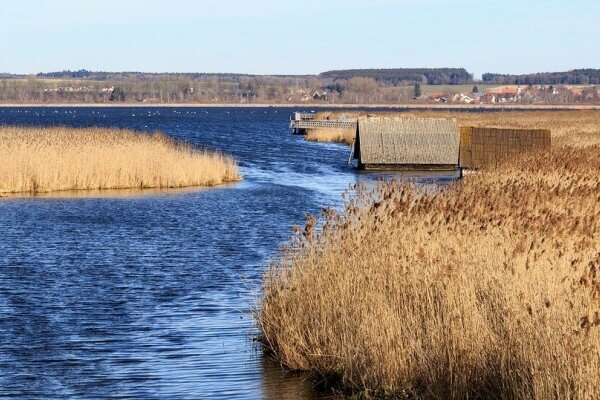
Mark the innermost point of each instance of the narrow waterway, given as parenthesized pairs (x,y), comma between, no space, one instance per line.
(151,296)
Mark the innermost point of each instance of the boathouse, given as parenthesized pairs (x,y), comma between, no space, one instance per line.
(489,146)
(407,143)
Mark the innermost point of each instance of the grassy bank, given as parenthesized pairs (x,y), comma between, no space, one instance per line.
(39,160)
(490,289)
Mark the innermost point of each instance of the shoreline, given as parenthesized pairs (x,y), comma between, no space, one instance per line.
(114,192)
(315,105)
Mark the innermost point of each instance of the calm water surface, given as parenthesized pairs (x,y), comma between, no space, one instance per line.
(151,296)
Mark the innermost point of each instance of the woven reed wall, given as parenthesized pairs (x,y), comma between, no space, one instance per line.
(408,141)
(484,146)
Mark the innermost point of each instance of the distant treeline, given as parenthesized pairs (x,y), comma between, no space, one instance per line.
(153,76)
(396,76)
(574,77)
(388,77)
(403,76)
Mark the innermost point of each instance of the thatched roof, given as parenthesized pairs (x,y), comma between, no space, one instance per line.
(408,141)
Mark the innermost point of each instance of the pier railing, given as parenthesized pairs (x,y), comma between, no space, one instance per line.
(322,124)
(305,116)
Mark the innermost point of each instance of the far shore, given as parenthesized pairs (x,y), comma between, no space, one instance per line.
(320,105)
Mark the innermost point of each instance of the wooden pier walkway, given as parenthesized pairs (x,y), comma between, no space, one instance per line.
(304,121)
(321,124)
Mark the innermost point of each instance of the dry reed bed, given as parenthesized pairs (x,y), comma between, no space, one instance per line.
(345,136)
(55,159)
(573,128)
(489,289)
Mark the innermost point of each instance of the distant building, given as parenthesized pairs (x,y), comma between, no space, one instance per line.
(320,96)
(502,94)
(438,97)
(488,98)
(505,90)
(467,98)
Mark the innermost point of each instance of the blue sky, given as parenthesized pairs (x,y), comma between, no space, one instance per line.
(311,36)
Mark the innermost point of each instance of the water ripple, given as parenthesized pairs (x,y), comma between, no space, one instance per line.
(150,295)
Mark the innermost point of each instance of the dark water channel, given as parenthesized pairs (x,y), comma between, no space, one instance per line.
(151,296)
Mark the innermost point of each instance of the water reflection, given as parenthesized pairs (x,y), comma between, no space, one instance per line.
(288,386)
(111,193)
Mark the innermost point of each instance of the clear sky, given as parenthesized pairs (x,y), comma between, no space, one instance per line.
(297,37)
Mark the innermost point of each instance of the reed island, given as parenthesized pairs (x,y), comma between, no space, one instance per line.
(41,160)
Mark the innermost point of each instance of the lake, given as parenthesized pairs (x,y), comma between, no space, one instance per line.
(151,296)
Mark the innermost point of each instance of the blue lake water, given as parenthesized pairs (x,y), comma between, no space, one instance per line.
(152,296)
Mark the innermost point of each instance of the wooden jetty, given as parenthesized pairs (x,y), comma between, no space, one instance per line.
(303,121)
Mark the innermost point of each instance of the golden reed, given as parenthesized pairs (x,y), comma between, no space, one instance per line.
(345,136)
(486,288)
(39,160)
